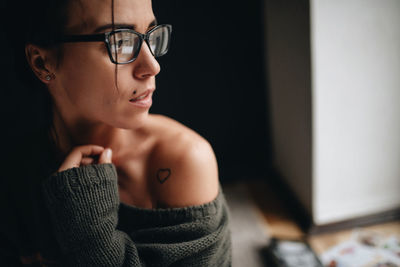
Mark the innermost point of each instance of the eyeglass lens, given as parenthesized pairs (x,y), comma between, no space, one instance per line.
(125,45)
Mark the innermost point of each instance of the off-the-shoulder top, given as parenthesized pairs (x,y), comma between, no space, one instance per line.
(93,228)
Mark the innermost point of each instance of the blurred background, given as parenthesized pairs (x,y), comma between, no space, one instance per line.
(301,102)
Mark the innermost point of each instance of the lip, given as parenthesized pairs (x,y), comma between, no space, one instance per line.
(146,102)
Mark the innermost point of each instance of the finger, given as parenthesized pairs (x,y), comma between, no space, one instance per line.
(106,156)
(80,152)
(88,150)
(87,161)
(73,160)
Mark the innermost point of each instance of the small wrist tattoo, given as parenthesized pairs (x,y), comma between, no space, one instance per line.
(163,175)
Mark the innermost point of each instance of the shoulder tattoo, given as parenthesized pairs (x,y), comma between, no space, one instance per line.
(163,175)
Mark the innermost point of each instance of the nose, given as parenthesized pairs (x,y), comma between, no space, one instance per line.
(145,64)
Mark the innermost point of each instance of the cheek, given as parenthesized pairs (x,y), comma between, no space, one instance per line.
(87,83)
(88,71)
(87,63)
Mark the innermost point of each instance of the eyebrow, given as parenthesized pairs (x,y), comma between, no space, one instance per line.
(122,26)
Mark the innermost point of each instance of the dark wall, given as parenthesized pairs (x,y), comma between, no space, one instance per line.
(213,80)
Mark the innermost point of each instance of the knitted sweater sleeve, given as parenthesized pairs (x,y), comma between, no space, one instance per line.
(84,203)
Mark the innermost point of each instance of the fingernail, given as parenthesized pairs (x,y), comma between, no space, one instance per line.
(108,153)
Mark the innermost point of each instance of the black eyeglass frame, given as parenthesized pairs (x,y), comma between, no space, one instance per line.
(105,37)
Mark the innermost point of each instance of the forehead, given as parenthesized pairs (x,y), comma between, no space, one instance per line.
(86,15)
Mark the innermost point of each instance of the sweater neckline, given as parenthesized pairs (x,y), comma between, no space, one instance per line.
(206,206)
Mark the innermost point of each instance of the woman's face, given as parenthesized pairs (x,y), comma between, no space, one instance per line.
(85,83)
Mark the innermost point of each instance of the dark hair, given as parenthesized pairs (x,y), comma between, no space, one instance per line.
(30,150)
(28,147)
(41,22)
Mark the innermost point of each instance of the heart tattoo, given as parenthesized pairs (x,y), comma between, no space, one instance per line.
(163,175)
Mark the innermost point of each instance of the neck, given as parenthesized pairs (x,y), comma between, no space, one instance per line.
(71,133)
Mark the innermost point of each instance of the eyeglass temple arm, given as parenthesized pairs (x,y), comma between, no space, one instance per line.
(82,38)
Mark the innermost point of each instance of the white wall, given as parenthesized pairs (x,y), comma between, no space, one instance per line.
(355,51)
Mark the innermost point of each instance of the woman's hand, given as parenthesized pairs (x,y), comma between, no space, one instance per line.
(85,155)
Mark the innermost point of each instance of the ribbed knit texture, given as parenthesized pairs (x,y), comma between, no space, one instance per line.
(94,229)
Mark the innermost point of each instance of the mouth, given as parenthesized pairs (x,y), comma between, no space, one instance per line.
(143,100)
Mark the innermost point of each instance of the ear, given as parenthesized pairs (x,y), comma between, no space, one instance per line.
(39,61)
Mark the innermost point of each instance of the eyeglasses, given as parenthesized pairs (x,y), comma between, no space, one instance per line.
(124,45)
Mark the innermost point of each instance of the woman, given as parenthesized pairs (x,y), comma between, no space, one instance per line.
(122,187)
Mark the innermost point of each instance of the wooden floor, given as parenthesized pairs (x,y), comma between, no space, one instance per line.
(279,223)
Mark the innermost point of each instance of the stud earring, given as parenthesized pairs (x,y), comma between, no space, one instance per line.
(50,77)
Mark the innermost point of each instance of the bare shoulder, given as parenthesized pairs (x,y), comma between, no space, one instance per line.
(182,167)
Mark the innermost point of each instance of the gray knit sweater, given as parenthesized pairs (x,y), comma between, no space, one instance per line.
(93,228)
